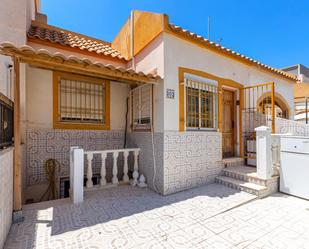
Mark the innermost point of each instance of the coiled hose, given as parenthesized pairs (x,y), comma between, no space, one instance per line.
(51,166)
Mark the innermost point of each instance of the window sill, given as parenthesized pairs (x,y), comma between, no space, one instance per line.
(71,126)
(203,129)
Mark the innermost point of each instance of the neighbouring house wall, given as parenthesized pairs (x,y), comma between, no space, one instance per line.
(180,53)
(6,193)
(43,142)
(15,18)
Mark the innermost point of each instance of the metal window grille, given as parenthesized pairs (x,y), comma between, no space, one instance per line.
(201,105)
(6,121)
(81,101)
(142,107)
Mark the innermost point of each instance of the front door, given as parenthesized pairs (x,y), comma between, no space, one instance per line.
(228,123)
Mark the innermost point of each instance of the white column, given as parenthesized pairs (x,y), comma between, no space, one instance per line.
(125,167)
(263,152)
(89,183)
(115,168)
(135,172)
(77,175)
(103,169)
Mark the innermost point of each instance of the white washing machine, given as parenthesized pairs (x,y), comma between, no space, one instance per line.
(294,170)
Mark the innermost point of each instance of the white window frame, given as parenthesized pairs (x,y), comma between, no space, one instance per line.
(139,126)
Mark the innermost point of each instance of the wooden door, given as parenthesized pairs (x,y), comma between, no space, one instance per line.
(228,123)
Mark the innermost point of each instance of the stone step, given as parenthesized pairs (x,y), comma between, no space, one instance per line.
(241,185)
(244,173)
(233,161)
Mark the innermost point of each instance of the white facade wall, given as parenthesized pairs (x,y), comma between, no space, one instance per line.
(6,193)
(39,100)
(180,53)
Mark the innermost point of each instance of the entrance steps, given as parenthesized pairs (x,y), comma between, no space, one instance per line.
(238,176)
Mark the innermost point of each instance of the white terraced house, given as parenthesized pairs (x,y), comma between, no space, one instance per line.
(158,101)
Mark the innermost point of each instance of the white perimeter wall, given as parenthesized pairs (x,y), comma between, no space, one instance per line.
(39,100)
(6,192)
(180,53)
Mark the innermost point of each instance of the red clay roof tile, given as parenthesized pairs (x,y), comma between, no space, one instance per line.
(71,39)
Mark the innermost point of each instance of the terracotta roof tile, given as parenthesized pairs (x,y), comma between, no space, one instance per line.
(74,40)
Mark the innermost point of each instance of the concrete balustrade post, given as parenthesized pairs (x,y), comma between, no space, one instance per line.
(125,166)
(103,169)
(76,174)
(115,168)
(89,183)
(264,152)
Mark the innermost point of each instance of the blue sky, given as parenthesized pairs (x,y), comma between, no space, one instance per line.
(274,32)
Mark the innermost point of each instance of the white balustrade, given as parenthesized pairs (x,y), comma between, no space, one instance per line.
(77,156)
(115,155)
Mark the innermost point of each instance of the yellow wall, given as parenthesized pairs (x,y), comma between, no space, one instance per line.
(301,90)
(147,26)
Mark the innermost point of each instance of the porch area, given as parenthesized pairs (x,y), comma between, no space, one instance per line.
(212,216)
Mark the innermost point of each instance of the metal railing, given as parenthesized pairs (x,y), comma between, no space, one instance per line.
(6,121)
(258,110)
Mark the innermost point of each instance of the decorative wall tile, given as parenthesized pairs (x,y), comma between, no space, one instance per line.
(191,159)
(144,141)
(42,144)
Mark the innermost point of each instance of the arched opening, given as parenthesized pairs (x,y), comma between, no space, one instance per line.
(282,109)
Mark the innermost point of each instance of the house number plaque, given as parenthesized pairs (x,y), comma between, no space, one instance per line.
(170,93)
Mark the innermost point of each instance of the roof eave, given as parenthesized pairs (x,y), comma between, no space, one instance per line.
(44,59)
(227,52)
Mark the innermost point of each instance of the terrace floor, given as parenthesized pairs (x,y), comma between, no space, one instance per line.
(212,216)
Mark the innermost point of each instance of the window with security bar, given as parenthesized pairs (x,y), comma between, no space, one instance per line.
(201,105)
(141,98)
(81,101)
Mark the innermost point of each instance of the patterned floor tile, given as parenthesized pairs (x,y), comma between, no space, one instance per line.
(212,216)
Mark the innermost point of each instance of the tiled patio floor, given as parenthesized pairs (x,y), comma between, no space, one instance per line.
(126,217)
